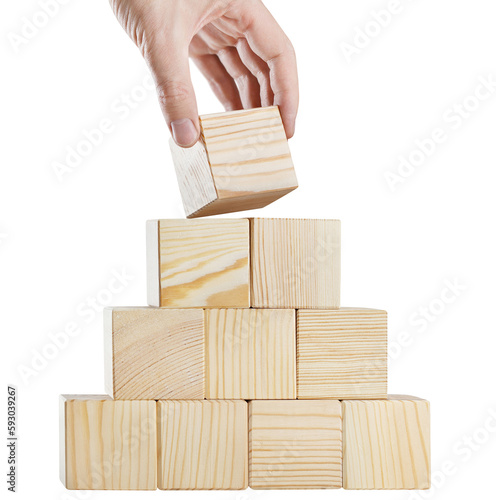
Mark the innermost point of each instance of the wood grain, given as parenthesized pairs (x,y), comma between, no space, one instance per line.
(250,354)
(296,263)
(386,444)
(202,445)
(342,354)
(295,444)
(241,203)
(108,445)
(154,353)
(203,263)
(241,162)
(194,177)
(248,151)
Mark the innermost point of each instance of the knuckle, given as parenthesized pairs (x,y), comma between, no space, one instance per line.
(262,75)
(291,51)
(171,93)
(245,80)
(286,49)
(289,45)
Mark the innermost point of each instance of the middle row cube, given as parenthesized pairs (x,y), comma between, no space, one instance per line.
(250,354)
(153,353)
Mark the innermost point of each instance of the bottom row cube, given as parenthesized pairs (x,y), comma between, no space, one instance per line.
(295,444)
(107,444)
(223,444)
(202,445)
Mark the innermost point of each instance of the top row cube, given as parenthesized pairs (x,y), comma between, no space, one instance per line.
(241,162)
(231,263)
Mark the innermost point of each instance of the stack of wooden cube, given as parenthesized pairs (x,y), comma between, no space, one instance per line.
(245,371)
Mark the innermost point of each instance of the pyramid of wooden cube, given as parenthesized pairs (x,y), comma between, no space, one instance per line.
(108,445)
(241,162)
(244,370)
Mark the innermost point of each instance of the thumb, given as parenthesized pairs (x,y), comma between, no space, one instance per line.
(170,69)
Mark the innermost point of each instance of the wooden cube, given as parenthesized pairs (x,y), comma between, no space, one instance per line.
(250,354)
(241,162)
(386,444)
(154,353)
(202,445)
(295,444)
(296,263)
(198,263)
(342,353)
(108,445)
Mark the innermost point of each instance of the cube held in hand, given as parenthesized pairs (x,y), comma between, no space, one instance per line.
(241,162)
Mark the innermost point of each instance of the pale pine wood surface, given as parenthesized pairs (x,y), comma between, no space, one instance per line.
(241,203)
(204,263)
(295,444)
(386,444)
(194,176)
(154,353)
(296,263)
(250,354)
(202,445)
(241,162)
(108,445)
(248,152)
(342,353)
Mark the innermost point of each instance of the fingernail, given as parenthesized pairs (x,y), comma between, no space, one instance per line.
(184,132)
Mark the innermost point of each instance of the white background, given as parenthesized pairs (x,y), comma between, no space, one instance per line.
(61,240)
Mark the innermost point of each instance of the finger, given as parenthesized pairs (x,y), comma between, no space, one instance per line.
(169,64)
(259,69)
(222,84)
(249,88)
(270,43)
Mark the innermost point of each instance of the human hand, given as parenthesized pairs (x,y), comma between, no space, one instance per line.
(236,44)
